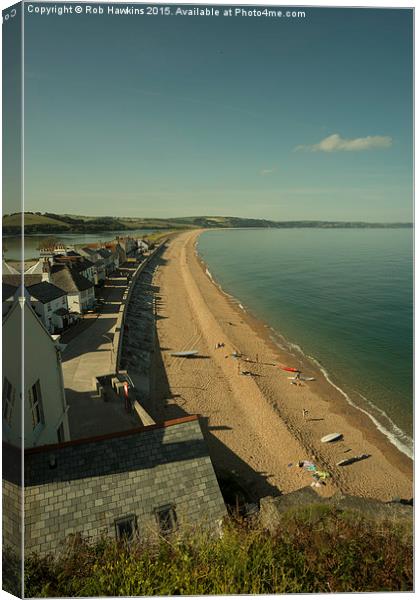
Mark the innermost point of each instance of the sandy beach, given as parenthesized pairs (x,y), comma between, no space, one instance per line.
(254,423)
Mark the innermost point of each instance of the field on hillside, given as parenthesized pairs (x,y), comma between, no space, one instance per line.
(32,219)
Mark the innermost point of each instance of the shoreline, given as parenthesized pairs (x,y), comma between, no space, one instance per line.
(310,363)
(263,410)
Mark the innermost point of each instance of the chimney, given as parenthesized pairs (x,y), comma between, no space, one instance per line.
(46,269)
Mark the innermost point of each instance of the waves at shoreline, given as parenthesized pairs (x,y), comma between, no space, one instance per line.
(391,431)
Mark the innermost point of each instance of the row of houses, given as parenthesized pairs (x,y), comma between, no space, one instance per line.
(145,482)
(61,284)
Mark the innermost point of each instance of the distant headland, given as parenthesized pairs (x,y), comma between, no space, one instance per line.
(49,222)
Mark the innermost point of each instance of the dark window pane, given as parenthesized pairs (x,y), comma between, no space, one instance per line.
(125,528)
(166,518)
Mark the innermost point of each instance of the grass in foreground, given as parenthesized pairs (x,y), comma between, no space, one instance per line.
(329,553)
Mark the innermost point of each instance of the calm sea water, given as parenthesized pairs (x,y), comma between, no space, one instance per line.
(342,297)
(14,242)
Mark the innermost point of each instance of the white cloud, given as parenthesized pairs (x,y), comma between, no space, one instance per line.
(335,143)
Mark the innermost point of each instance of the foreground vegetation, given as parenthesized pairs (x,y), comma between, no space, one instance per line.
(317,551)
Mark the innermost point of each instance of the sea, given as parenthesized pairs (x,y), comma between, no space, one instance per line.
(342,298)
(14,242)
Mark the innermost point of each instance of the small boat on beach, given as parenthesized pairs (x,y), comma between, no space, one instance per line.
(331,437)
(303,378)
(185,353)
(352,459)
(291,369)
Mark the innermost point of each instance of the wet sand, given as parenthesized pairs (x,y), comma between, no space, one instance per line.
(254,424)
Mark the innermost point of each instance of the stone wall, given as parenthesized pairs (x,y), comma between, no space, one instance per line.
(12,515)
(12,497)
(119,326)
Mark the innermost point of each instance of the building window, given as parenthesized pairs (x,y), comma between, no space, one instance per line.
(8,400)
(35,402)
(166,519)
(126,528)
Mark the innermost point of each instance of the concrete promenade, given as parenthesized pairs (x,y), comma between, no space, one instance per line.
(88,355)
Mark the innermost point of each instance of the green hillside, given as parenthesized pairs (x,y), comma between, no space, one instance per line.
(33,220)
(51,223)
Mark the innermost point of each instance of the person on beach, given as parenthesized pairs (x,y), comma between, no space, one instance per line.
(296,379)
(305,413)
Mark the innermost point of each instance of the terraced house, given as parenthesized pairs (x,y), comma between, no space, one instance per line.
(51,305)
(99,266)
(80,290)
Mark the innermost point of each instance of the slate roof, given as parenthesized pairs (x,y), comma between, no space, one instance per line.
(104,253)
(96,255)
(16,280)
(89,250)
(78,265)
(68,279)
(7,291)
(111,476)
(82,265)
(45,291)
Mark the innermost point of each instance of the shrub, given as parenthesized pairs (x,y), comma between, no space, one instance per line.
(326,552)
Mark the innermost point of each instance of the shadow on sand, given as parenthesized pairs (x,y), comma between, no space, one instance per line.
(238,481)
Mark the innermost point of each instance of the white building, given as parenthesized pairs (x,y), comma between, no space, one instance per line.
(128,243)
(41,396)
(80,291)
(78,263)
(142,247)
(108,259)
(99,266)
(51,305)
(59,255)
(118,253)
(73,274)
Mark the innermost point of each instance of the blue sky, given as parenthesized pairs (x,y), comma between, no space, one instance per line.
(176,116)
